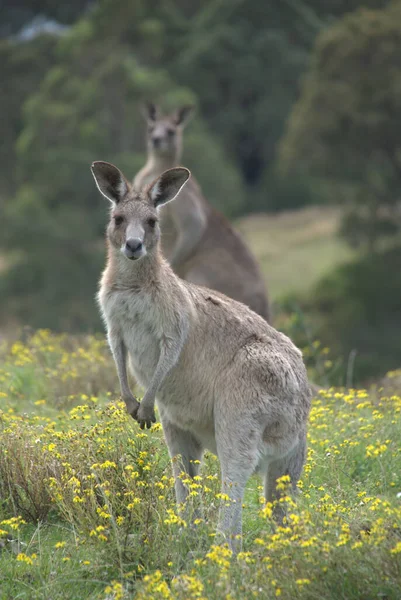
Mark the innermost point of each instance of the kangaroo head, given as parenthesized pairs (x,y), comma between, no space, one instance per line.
(134,223)
(164,133)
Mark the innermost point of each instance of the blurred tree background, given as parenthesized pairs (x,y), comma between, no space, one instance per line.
(298,104)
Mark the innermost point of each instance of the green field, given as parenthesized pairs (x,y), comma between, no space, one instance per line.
(87,505)
(295,248)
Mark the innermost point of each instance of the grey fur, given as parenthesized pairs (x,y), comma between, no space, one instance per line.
(222,377)
(199,243)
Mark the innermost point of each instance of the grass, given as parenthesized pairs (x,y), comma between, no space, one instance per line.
(296,248)
(87,503)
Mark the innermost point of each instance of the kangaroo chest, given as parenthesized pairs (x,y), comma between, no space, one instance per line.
(186,395)
(132,315)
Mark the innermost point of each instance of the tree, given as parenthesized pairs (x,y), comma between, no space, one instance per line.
(345,127)
(77,99)
(23,67)
(244,66)
(356,311)
(87,107)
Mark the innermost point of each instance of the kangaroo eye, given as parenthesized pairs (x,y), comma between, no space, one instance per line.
(152,222)
(118,219)
(170,132)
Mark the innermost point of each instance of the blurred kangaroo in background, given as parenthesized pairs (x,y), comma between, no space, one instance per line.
(199,242)
(224,378)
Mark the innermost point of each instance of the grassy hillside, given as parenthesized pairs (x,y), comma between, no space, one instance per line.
(295,248)
(87,504)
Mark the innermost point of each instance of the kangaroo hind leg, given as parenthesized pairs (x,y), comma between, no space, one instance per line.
(290,464)
(186,453)
(239,456)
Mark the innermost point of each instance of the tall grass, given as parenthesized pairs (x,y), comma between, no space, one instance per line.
(87,502)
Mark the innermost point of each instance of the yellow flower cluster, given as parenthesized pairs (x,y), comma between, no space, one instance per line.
(73,460)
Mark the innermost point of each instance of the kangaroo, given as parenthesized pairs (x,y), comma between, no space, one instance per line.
(224,379)
(198,241)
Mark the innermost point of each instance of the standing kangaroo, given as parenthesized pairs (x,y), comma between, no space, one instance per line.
(224,379)
(198,241)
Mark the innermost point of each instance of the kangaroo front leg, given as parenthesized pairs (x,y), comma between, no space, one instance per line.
(170,349)
(119,352)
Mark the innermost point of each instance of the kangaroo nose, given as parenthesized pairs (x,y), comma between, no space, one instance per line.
(157,141)
(133,244)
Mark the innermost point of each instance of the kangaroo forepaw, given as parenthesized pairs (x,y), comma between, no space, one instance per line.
(145,416)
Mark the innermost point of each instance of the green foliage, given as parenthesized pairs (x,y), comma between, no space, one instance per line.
(269,44)
(345,125)
(280,193)
(22,69)
(86,108)
(245,105)
(223,187)
(358,308)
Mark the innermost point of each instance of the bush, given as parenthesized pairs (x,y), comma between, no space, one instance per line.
(278,192)
(358,308)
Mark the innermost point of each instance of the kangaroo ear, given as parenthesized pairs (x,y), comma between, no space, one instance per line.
(166,187)
(184,114)
(110,181)
(150,112)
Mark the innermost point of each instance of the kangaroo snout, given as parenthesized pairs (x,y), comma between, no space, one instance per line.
(156,141)
(133,248)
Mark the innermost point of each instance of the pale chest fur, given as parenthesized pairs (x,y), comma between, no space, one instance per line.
(133,317)
(186,393)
